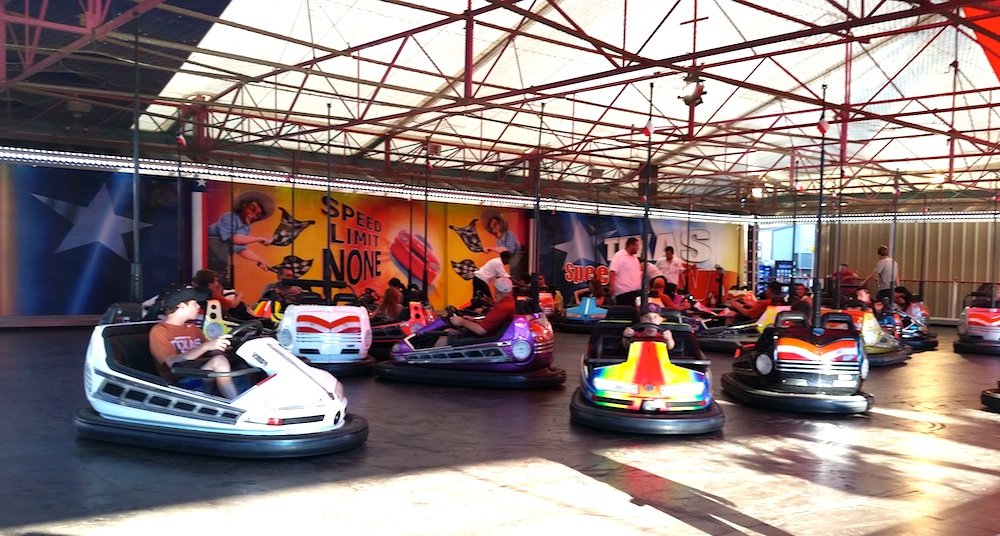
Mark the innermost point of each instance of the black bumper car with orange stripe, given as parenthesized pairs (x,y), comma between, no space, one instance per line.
(797,367)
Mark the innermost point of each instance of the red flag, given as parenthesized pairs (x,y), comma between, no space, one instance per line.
(181,140)
(823,125)
(648,129)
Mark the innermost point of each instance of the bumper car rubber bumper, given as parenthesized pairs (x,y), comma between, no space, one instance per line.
(348,369)
(886,359)
(991,399)
(548,377)
(691,422)
(353,433)
(803,403)
(977,346)
(921,345)
(381,350)
(575,326)
(723,346)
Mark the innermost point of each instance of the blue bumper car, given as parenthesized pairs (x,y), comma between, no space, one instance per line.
(584,317)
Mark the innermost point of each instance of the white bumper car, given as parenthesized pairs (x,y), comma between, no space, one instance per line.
(335,338)
(290,409)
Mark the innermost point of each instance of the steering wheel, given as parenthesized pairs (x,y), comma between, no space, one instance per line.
(643,325)
(450,310)
(242,333)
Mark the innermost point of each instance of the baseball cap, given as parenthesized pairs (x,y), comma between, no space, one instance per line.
(650,308)
(175,295)
(503,285)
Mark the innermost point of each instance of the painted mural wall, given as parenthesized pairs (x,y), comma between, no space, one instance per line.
(575,247)
(372,239)
(67,239)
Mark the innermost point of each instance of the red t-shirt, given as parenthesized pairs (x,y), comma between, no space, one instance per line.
(498,316)
(167,340)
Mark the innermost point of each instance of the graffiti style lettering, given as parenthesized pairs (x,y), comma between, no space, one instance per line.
(576,274)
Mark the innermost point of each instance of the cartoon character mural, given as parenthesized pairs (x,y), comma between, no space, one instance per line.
(371,239)
(288,229)
(231,234)
(509,230)
(496,223)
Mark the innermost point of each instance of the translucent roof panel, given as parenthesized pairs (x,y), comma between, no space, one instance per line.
(907,90)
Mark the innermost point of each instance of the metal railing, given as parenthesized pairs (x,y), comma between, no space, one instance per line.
(942,298)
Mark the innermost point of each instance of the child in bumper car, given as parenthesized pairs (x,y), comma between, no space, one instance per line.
(650,315)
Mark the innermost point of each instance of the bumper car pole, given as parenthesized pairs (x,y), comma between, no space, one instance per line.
(819,216)
(643,287)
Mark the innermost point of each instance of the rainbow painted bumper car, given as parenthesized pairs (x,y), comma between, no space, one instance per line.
(643,389)
(979,325)
(288,409)
(519,355)
(794,367)
(584,317)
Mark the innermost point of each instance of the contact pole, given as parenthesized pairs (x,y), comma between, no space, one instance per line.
(136,290)
(180,216)
(427,173)
(327,254)
(645,216)
(993,257)
(837,283)
(795,219)
(538,208)
(819,218)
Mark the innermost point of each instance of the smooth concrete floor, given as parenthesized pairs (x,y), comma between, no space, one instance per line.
(461,461)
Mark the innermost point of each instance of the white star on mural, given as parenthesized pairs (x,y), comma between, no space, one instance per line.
(201,184)
(582,245)
(96,222)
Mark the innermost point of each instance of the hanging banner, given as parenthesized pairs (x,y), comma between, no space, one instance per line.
(577,247)
(67,239)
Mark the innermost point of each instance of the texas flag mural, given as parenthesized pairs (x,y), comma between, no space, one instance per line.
(68,238)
